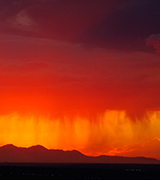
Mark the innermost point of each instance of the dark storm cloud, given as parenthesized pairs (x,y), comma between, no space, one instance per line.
(120,24)
(127,26)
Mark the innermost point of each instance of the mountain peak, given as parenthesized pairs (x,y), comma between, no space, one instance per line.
(9,146)
(37,147)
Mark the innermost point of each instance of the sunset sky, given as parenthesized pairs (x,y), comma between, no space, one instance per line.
(81,74)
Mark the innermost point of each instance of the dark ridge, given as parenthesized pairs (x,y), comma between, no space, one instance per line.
(38,147)
(39,154)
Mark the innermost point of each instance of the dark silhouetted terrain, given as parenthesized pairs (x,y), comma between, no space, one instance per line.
(40,163)
(76,171)
(39,154)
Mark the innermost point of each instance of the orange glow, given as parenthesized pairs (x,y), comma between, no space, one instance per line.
(112,133)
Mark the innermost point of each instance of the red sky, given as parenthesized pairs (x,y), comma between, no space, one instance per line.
(81,75)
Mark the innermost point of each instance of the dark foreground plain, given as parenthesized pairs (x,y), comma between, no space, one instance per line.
(79,171)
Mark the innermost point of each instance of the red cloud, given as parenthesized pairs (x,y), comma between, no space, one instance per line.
(154,40)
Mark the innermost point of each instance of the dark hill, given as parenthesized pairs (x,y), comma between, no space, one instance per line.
(39,154)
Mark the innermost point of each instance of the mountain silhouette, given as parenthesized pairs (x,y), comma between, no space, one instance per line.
(39,154)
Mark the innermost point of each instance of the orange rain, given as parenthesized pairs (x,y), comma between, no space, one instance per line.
(112,133)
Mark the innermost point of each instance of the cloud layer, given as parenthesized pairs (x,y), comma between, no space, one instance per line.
(70,76)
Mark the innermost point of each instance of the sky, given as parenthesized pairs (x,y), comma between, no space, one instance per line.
(81,75)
